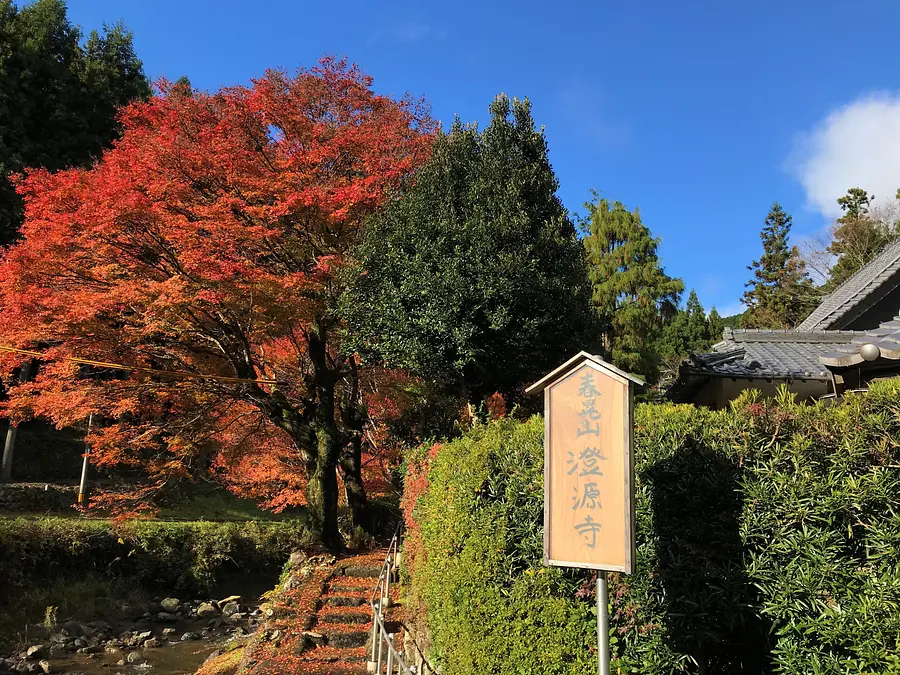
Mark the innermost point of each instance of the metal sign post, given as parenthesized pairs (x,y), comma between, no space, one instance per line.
(84,464)
(602,623)
(589,474)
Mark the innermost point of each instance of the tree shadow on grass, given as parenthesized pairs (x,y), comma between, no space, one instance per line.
(710,601)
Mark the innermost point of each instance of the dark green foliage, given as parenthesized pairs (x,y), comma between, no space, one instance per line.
(491,607)
(781,293)
(58,94)
(632,294)
(733,321)
(768,541)
(474,278)
(857,237)
(186,556)
(690,331)
(716,324)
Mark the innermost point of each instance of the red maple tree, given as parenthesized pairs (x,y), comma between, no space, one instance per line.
(210,240)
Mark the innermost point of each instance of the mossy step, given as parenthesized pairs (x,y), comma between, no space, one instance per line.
(363,591)
(346,639)
(368,571)
(344,617)
(344,601)
(312,657)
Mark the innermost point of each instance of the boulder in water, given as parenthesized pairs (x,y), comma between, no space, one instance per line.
(170,604)
(207,610)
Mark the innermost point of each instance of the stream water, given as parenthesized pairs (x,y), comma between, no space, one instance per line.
(120,646)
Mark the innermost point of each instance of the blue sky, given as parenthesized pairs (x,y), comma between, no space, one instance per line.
(701,113)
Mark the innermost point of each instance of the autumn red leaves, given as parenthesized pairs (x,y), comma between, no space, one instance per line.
(210,239)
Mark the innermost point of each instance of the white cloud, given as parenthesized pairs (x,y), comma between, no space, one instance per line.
(857,145)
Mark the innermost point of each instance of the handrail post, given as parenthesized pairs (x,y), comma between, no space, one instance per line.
(378,661)
(387,582)
(371,666)
(390,654)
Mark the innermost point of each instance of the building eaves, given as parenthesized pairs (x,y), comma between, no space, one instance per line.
(866,281)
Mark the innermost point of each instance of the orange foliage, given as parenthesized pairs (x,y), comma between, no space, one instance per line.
(208,240)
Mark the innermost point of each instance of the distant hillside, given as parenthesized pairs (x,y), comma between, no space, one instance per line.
(733,321)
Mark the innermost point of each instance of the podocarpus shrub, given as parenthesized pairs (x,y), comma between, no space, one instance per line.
(768,541)
(172,555)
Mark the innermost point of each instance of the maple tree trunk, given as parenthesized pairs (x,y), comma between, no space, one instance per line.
(322,488)
(322,499)
(351,472)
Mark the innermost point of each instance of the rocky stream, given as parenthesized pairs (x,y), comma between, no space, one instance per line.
(169,636)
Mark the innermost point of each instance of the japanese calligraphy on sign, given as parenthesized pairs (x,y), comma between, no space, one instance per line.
(588,496)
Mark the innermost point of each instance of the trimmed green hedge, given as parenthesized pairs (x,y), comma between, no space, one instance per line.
(768,541)
(172,555)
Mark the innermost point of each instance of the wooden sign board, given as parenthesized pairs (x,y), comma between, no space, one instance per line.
(588,466)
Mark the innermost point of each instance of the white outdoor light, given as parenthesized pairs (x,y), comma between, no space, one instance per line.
(869,352)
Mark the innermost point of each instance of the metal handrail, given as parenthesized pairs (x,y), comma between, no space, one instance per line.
(383,650)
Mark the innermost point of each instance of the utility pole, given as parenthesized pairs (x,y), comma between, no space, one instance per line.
(10,445)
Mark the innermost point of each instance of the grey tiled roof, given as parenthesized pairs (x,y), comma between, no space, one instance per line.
(783,354)
(886,337)
(853,291)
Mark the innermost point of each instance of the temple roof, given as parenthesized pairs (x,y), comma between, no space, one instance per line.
(868,283)
(779,354)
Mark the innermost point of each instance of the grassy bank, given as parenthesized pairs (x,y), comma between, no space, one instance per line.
(176,555)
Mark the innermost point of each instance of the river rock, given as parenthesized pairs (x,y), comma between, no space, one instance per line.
(207,610)
(135,657)
(235,618)
(120,662)
(166,617)
(168,631)
(297,558)
(189,636)
(79,643)
(224,601)
(45,665)
(230,608)
(73,628)
(152,643)
(58,650)
(169,604)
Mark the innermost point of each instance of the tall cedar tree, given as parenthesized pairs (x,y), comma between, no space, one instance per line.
(209,240)
(690,330)
(475,279)
(58,94)
(632,294)
(716,325)
(781,293)
(857,237)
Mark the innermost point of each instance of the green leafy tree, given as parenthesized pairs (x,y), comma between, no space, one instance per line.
(780,294)
(857,237)
(715,326)
(474,278)
(690,331)
(58,94)
(632,294)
